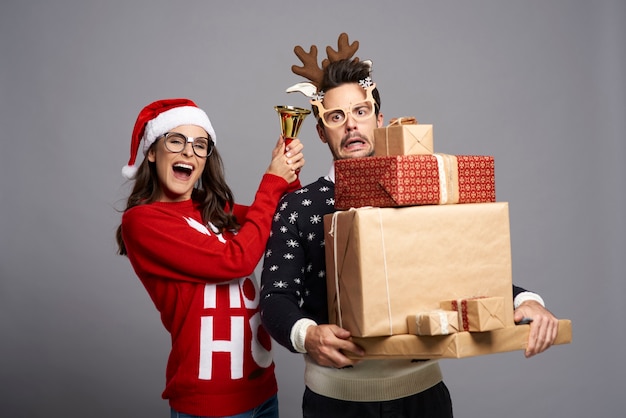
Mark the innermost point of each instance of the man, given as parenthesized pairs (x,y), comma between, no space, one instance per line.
(293,298)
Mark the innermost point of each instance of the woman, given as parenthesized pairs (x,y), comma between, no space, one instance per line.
(195,252)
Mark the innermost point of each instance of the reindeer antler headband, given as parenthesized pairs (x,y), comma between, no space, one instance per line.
(311,70)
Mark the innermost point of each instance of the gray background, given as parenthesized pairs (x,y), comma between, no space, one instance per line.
(540,85)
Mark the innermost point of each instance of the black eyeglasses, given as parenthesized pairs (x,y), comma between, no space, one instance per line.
(176,142)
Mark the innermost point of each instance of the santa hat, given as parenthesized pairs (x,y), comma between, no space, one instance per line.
(159,118)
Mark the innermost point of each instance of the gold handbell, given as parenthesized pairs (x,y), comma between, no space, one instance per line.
(291,119)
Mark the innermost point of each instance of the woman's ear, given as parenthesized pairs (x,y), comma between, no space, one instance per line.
(151,156)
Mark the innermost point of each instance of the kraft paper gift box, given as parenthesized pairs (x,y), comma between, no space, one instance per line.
(399,139)
(457,345)
(437,322)
(478,313)
(407,180)
(383,264)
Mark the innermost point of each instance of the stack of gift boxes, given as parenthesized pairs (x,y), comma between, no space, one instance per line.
(418,253)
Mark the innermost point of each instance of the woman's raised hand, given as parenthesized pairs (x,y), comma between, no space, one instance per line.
(287,160)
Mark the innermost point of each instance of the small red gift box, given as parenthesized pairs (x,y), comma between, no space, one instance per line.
(409,180)
(478,313)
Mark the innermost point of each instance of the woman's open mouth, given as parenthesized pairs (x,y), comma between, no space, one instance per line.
(182,171)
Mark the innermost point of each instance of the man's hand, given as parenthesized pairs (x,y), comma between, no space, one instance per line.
(325,342)
(543,328)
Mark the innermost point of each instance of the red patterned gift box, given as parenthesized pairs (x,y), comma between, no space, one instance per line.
(409,180)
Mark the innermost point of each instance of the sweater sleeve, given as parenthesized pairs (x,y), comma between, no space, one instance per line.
(521,295)
(159,247)
(293,283)
(517,290)
(282,280)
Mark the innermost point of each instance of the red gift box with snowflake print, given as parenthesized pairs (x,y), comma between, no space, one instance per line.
(410,180)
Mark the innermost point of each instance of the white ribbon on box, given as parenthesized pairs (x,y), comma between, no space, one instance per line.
(446,178)
(443,321)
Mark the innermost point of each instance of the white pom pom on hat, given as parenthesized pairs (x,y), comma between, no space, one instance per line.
(159,118)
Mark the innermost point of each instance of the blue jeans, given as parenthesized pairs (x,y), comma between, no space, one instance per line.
(268,409)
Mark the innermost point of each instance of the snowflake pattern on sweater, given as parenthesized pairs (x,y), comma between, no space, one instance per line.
(289,291)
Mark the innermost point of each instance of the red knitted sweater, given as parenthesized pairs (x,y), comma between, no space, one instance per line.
(203,285)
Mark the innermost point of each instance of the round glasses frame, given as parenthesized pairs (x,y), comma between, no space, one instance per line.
(369,104)
(176,142)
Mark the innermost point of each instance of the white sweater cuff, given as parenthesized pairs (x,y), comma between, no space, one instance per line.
(298,333)
(524,296)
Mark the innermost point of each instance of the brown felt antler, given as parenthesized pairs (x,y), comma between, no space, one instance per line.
(311,70)
(344,50)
